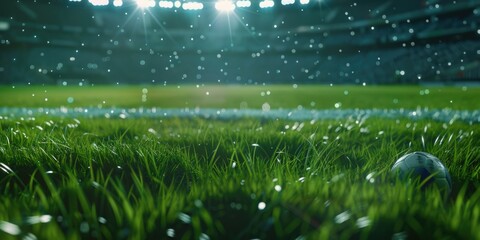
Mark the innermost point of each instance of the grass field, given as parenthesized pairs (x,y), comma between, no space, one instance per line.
(217,96)
(194,178)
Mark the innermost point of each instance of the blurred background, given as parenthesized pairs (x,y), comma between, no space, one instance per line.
(85,42)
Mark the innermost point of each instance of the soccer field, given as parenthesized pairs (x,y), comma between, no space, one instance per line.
(243,177)
(238,96)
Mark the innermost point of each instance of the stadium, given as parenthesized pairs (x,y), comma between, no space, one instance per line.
(374,42)
(239,119)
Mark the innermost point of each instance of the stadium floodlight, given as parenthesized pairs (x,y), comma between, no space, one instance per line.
(224,6)
(303,2)
(117,3)
(165,4)
(177,4)
(288,2)
(192,6)
(145,3)
(98,2)
(266,4)
(244,3)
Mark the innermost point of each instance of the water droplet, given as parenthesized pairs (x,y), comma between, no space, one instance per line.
(266,107)
(102,220)
(184,218)
(399,236)
(204,236)
(10,228)
(363,222)
(171,232)
(261,205)
(342,217)
(38,219)
(198,203)
(152,131)
(336,178)
(370,177)
(5,168)
(278,188)
(84,227)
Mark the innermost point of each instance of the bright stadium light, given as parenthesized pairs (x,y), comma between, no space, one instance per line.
(192,6)
(244,3)
(224,6)
(177,4)
(165,4)
(266,4)
(303,2)
(145,3)
(288,2)
(98,2)
(117,3)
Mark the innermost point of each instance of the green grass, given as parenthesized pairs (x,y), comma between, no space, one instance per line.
(278,96)
(64,178)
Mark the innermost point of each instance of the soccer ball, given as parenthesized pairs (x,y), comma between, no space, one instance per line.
(425,169)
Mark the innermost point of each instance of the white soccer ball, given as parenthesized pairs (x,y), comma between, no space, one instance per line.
(425,169)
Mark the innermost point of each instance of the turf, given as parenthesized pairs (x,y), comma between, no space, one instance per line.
(65,178)
(220,96)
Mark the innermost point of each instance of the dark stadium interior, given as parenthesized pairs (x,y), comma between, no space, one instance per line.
(324,41)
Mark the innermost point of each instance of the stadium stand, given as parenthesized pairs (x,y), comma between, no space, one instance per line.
(328,42)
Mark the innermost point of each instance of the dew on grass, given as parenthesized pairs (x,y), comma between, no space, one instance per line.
(10,228)
(370,177)
(198,203)
(204,236)
(302,179)
(184,218)
(400,236)
(152,131)
(29,236)
(102,220)
(423,142)
(38,219)
(266,107)
(96,185)
(261,206)
(342,217)
(84,227)
(171,232)
(363,222)
(336,178)
(5,168)
(234,165)
(278,188)
(255,145)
